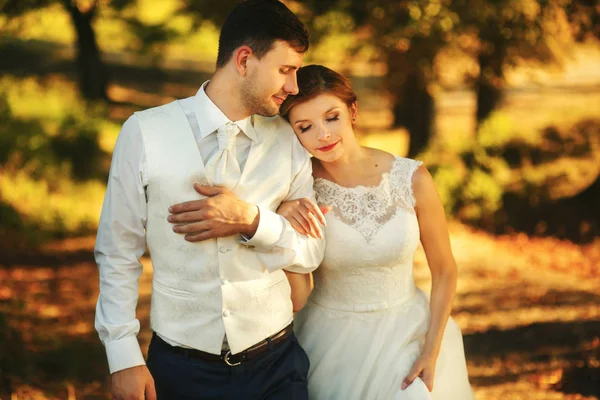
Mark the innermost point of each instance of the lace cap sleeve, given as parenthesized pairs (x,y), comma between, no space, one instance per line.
(405,169)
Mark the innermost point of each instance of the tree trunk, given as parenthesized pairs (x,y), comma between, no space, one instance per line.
(490,84)
(413,107)
(92,71)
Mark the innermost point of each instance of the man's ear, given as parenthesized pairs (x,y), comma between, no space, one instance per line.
(241,57)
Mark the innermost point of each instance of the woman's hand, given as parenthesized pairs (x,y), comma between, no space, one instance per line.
(423,367)
(304,216)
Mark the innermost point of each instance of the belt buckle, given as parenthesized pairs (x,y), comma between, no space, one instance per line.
(226,359)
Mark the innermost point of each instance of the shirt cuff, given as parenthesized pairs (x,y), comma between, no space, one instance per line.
(268,232)
(124,353)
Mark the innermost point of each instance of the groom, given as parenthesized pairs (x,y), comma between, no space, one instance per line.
(221,311)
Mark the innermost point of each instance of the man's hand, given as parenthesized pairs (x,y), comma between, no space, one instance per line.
(220,214)
(132,383)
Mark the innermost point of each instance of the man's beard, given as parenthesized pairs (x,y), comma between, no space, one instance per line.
(252,100)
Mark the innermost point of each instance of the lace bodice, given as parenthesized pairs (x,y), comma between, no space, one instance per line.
(372,234)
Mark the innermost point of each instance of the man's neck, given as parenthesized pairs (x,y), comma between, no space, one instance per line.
(225,93)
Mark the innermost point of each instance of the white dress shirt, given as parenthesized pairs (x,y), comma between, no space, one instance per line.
(122,237)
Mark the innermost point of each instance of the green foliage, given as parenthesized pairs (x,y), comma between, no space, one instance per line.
(332,33)
(47,141)
(496,131)
(49,158)
(449,179)
(504,179)
(482,196)
(470,177)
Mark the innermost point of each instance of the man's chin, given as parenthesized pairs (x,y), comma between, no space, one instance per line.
(268,111)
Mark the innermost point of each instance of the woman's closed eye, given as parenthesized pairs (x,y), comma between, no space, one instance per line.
(305,128)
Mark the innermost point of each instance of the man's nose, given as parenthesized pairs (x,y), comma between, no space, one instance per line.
(291,84)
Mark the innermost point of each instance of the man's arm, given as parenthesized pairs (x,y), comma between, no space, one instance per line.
(275,241)
(119,246)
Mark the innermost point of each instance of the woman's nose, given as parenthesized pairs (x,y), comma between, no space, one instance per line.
(324,134)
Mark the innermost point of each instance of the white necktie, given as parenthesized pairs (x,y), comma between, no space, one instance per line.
(223,168)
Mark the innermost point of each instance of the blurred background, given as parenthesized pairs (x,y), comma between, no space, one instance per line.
(500,99)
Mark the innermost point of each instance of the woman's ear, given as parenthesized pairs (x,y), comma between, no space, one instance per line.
(353,111)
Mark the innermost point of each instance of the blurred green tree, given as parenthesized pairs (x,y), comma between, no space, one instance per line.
(507,32)
(93,73)
(409,34)
(584,18)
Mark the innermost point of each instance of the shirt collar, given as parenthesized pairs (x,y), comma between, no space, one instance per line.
(210,117)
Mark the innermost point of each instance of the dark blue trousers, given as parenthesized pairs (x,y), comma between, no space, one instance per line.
(280,373)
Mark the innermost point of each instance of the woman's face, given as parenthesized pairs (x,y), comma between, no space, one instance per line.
(323,125)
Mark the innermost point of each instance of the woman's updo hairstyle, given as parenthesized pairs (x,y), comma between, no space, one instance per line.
(314,80)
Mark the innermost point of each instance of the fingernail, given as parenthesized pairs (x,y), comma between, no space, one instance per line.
(170,218)
(171,209)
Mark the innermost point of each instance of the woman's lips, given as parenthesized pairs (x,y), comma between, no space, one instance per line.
(328,148)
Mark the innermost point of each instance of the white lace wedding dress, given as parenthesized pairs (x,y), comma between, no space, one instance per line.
(365,322)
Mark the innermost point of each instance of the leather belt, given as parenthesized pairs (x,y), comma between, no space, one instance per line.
(226,357)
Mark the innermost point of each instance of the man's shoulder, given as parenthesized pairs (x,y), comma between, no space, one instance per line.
(158,110)
(276,128)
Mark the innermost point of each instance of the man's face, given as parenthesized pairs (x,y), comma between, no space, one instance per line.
(271,79)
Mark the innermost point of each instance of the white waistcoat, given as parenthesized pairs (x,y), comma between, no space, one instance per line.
(203,290)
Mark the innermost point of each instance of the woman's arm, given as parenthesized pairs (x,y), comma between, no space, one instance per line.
(302,285)
(436,243)
(304,216)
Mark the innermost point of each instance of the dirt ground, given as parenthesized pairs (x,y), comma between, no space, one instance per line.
(529,310)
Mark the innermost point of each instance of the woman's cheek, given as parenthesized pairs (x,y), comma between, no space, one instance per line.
(304,141)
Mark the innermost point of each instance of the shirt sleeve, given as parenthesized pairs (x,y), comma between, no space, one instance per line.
(120,244)
(277,244)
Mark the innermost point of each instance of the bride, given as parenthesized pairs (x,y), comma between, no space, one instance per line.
(368,331)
